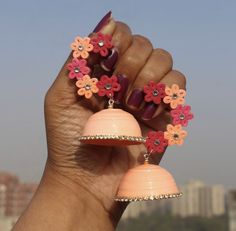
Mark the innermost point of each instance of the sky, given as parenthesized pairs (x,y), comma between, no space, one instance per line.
(200,35)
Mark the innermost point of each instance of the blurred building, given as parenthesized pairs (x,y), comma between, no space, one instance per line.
(6,223)
(14,196)
(232,210)
(199,200)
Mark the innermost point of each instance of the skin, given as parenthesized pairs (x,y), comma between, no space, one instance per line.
(79,183)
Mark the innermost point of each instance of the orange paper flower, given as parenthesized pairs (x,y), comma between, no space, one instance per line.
(87,86)
(175,134)
(81,47)
(174,96)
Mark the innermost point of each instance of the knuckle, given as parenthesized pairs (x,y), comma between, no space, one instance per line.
(165,56)
(121,26)
(180,77)
(142,40)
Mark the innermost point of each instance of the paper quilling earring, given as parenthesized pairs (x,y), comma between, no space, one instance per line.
(113,126)
(148,181)
(108,126)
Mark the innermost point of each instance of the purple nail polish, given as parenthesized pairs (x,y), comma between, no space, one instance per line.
(136,98)
(103,22)
(124,83)
(148,111)
(108,63)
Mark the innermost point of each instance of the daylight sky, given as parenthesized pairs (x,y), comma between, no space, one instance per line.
(201,36)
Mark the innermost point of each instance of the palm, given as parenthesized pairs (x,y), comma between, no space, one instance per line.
(99,169)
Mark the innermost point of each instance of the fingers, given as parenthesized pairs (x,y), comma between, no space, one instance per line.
(122,37)
(157,66)
(134,58)
(159,117)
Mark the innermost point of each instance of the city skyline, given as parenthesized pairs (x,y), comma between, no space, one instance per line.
(35,38)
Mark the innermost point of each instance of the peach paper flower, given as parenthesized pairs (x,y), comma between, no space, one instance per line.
(175,134)
(81,47)
(174,96)
(87,86)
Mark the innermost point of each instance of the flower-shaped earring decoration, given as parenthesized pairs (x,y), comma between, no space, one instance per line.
(174,96)
(87,86)
(148,181)
(181,115)
(78,68)
(107,86)
(114,126)
(101,43)
(156,142)
(109,126)
(154,92)
(81,47)
(175,134)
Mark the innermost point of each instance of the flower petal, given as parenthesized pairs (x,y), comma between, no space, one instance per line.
(175,89)
(180,101)
(182,93)
(102,92)
(148,98)
(89,47)
(81,91)
(167,99)
(76,54)
(173,104)
(179,142)
(94,89)
(80,83)
(170,128)
(168,90)
(171,142)
(84,54)
(88,94)
(104,52)
(71,75)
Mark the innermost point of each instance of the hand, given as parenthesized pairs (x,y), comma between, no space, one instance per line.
(97,170)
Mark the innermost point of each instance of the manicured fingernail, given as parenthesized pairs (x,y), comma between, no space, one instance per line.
(148,111)
(136,98)
(108,63)
(104,21)
(124,83)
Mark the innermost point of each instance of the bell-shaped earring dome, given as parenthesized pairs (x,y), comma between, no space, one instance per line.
(147,182)
(112,127)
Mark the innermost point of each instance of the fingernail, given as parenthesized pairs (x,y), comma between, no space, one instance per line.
(136,98)
(104,21)
(124,83)
(148,111)
(108,63)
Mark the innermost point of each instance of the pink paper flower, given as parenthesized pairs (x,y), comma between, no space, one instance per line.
(101,43)
(155,142)
(78,68)
(181,115)
(154,92)
(107,86)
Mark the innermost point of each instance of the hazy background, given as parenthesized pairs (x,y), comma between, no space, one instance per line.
(201,35)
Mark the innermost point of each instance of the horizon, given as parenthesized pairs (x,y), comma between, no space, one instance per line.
(35,38)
